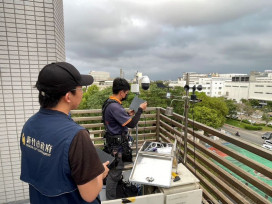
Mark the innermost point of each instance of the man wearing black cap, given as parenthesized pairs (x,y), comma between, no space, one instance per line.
(59,160)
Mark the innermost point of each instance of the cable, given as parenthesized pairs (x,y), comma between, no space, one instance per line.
(176,147)
(182,123)
(194,134)
(144,125)
(173,128)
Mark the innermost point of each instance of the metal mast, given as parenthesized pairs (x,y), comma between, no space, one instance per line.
(186,109)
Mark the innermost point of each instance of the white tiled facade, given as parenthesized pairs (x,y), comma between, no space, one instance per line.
(31,36)
(249,90)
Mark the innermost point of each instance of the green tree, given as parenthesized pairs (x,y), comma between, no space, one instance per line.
(232,106)
(240,108)
(213,109)
(266,118)
(244,101)
(207,116)
(269,106)
(155,97)
(248,108)
(91,90)
(254,102)
(96,100)
(217,103)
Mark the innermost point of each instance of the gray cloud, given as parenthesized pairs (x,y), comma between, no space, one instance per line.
(163,38)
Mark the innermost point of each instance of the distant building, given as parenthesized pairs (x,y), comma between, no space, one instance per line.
(265,77)
(101,79)
(103,84)
(122,73)
(229,76)
(100,76)
(212,84)
(257,85)
(194,76)
(174,83)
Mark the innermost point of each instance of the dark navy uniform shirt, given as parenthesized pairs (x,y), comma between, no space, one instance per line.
(116,118)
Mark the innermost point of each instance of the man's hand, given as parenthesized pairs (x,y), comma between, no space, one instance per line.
(143,105)
(105,173)
(91,189)
(131,112)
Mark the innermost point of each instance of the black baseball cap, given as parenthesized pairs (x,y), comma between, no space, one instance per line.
(60,78)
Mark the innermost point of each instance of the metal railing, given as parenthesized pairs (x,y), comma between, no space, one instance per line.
(222,181)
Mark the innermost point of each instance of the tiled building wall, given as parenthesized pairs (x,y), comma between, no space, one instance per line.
(59,26)
(31,36)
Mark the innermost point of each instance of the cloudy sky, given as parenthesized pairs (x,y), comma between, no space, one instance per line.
(164,38)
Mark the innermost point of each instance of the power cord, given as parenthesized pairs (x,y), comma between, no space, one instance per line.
(182,122)
(179,159)
(144,125)
(194,134)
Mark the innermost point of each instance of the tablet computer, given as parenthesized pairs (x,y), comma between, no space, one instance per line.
(135,104)
(103,156)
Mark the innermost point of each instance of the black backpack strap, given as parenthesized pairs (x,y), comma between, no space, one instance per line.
(104,107)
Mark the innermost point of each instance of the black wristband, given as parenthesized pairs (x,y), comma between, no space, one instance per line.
(140,110)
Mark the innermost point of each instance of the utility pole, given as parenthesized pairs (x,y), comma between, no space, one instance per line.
(186,109)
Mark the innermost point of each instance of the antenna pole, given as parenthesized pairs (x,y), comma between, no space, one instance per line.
(186,108)
(137,82)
